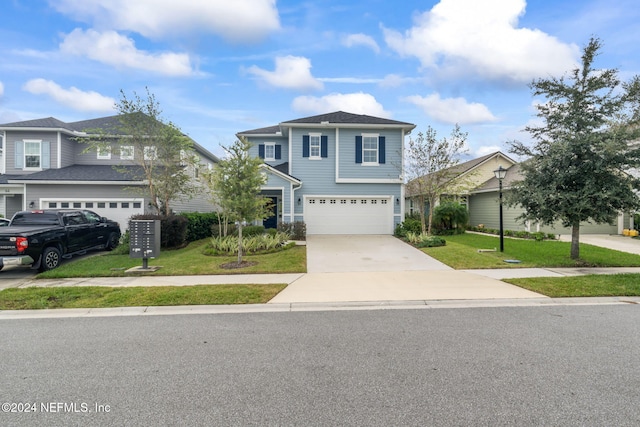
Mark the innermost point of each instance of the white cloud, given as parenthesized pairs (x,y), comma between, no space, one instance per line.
(292,72)
(119,51)
(395,80)
(486,149)
(482,37)
(237,20)
(361,40)
(356,103)
(452,110)
(1,89)
(72,97)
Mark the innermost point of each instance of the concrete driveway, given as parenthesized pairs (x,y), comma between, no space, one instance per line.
(363,268)
(342,254)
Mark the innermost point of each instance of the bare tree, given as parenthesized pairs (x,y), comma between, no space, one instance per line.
(429,169)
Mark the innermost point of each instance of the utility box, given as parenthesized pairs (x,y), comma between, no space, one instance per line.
(144,238)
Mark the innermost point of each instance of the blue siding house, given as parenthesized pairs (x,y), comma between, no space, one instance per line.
(340,173)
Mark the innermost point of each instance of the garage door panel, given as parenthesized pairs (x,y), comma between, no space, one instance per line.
(348,215)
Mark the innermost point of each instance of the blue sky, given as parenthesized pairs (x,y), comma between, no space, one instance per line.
(218,67)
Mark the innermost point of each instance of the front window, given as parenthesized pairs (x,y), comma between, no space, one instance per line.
(150,153)
(314,146)
(104,153)
(126,152)
(369,149)
(269,151)
(32,154)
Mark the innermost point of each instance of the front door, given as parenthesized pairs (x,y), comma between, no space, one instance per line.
(272,221)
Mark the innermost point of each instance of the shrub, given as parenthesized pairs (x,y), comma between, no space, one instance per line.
(199,225)
(251,230)
(424,241)
(173,229)
(262,243)
(409,225)
(296,230)
(450,216)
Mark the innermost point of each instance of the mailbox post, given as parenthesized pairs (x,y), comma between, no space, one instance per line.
(144,240)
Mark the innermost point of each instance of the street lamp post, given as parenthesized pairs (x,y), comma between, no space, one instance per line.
(500,173)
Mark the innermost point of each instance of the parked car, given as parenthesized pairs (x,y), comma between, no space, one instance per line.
(41,238)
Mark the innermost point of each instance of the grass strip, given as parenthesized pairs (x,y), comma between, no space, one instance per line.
(183,262)
(461,252)
(593,285)
(34,298)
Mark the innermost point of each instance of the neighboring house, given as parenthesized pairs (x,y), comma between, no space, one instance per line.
(483,205)
(46,165)
(467,176)
(339,173)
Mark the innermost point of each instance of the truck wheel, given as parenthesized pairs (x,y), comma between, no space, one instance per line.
(113,242)
(50,258)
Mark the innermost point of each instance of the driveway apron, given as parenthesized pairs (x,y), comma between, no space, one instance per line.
(364,268)
(367,253)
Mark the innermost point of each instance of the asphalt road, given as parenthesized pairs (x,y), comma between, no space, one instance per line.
(559,366)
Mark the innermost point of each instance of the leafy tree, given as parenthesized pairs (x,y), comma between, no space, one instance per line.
(236,182)
(450,216)
(582,152)
(430,170)
(162,155)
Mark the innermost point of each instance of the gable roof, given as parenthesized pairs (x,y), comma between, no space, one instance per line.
(514,173)
(467,166)
(335,119)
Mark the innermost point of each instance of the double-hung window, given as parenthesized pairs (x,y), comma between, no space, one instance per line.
(32,154)
(104,153)
(314,146)
(150,153)
(126,152)
(269,151)
(370,149)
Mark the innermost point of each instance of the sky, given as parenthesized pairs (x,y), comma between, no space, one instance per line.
(218,67)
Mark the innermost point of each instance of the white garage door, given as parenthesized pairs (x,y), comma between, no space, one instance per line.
(119,210)
(348,215)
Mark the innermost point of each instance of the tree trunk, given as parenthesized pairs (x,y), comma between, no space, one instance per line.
(575,241)
(430,216)
(239,242)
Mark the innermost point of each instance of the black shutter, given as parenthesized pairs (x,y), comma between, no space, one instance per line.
(359,149)
(381,150)
(261,151)
(278,152)
(305,145)
(324,146)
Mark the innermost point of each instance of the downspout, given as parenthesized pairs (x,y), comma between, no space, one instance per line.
(293,201)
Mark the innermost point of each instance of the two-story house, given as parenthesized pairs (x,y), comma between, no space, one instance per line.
(339,173)
(45,164)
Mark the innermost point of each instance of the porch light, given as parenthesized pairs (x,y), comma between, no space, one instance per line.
(299,201)
(397,201)
(500,174)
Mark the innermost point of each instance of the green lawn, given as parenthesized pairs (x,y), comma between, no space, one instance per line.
(461,252)
(603,285)
(186,261)
(99,297)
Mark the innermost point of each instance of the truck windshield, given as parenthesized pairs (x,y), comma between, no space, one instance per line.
(35,219)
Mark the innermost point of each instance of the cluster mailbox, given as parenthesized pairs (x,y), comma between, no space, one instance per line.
(144,239)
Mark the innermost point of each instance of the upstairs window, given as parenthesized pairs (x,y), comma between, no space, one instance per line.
(369,149)
(104,153)
(314,146)
(32,154)
(126,152)
(150,153)
(269,151)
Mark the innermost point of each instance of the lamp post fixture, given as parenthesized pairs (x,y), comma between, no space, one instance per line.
(500,173)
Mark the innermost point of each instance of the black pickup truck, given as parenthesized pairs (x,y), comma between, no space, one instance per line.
(42,238)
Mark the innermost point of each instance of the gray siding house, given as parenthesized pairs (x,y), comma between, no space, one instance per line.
(340,173)
(483,205)
(45,164)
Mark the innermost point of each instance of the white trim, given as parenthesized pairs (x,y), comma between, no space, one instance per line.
(103,156)
(24,155)
(133,152)
(274,171)
(51,182)
(290,152)
(59,151)
(337,154)
(369,181)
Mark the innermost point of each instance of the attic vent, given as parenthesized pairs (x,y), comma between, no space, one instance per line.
(324,123)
